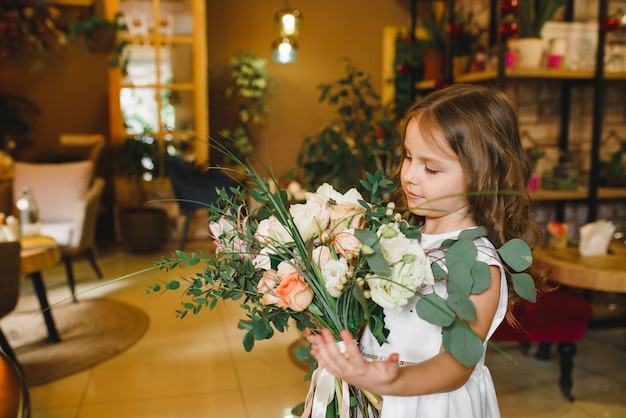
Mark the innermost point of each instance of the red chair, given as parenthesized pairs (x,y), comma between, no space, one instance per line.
(561,317)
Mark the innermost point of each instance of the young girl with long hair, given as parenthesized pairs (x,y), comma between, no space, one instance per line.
(463,167)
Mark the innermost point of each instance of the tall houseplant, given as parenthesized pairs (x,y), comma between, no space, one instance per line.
(354,141)
(142,227)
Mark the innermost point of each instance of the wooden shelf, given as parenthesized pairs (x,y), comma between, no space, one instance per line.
(513,73)
(548,73)
(577,194)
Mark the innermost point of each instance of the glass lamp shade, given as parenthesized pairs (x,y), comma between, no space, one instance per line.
(284,50)
(289,22)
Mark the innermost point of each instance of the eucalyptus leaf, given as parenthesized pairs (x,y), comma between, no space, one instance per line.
(460,341)
(473,233)
(433,308)
(460,277)
(172,285)
(481,275)
(438,271)
(248,341)
(516,254)
(462,250)
(462,306)
(524,286)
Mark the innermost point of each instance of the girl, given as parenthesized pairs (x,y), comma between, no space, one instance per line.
(463,138)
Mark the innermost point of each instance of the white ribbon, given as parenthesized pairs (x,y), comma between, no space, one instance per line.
(321,393)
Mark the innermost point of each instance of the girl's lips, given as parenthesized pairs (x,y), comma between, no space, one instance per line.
(411,196)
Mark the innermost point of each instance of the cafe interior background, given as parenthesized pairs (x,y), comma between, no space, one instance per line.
(76,93)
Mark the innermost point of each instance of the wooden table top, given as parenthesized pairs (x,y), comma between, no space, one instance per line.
(38,253)
(605,272)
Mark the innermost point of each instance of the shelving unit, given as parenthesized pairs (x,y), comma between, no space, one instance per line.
(568,79)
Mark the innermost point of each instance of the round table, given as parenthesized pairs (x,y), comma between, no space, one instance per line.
(605,272)
(38,253)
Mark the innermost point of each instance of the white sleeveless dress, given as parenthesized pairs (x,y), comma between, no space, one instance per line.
(416,340)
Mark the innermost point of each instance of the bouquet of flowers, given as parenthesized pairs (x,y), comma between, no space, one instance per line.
(333,261)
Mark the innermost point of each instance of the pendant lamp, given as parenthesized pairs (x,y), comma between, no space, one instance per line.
(284,50)
(288,21)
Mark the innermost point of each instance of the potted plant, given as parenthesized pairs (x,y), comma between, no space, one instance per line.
(532,16)
(357,140)
(102,37)
(143,228)
(249,90)
(432,39)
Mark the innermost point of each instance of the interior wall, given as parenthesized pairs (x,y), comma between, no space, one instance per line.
(71,87)
(332,30)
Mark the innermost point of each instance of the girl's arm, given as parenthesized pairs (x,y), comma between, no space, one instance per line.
(441,373)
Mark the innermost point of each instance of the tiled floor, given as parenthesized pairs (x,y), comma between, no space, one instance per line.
(197,367)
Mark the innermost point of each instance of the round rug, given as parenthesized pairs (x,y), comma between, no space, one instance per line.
(91,331)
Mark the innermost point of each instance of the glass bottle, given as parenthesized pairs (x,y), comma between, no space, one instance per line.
(28,212)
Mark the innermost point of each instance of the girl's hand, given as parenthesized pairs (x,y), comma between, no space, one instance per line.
(347,363)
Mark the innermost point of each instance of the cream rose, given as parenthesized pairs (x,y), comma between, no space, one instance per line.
(393,243)
(271,232)
(311,218)
(407,275)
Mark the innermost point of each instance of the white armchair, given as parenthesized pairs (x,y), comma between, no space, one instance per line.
(69,200)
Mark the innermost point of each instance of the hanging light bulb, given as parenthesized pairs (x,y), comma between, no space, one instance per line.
(289,22)
(284,50)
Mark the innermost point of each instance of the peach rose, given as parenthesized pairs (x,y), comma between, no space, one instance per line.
(267,286)
(293,291)
(347,244)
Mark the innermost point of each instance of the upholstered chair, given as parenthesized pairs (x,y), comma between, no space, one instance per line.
(69,200)
(561,317)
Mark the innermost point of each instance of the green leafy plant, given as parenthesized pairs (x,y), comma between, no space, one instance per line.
(137,159)
(249,87)
(346,147)
(103,36)
(533,14)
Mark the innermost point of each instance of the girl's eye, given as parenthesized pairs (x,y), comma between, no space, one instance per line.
(430,170)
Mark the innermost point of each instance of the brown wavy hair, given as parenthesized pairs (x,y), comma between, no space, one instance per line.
(480,125)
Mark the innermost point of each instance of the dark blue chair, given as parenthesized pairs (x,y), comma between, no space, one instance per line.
(193,189)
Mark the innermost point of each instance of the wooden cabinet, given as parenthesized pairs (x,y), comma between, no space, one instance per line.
(162,91)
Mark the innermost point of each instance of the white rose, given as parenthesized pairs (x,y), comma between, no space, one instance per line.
(334,272)
(412,271)
(345,210)
(262,260)
(271,231)
(311,218)
(393,243)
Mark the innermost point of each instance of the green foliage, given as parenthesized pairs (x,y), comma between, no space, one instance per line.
(249,88)
(346,148)
(533,14)
(102,35)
